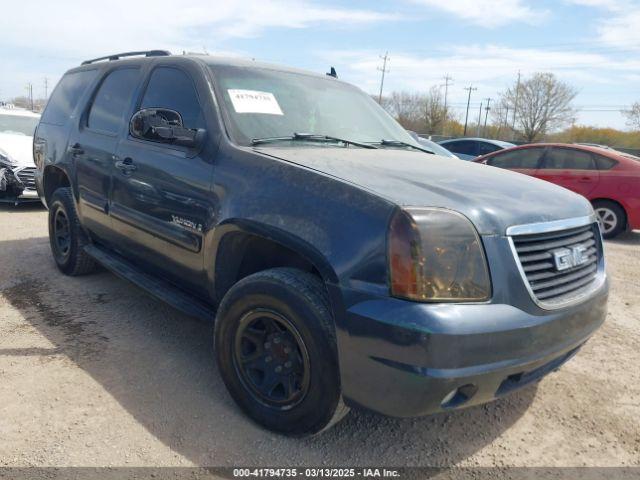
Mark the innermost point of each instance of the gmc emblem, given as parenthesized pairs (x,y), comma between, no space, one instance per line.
(565,258)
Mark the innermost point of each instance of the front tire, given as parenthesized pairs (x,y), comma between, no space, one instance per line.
(66,237)
(276,351)
(611,217)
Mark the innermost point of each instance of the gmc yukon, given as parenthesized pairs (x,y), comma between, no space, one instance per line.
(344,264)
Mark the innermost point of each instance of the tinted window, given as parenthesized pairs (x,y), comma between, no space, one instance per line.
(172,89)
(604,163)
(112,100)
(66,95)
(569,159)
(525,158)
(465,147)
(485,147)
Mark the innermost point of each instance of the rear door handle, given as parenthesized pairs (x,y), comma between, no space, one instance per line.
(76,149)
(126,165)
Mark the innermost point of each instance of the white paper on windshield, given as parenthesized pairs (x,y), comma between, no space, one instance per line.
(254,101)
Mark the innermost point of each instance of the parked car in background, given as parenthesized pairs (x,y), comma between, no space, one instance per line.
(470,148)
(433,146)
(16,155)
(608,178)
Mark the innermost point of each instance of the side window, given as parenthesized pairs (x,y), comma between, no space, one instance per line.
(173,89)
(604,163)
(465,147)
(485,147)
(112,100)
(569,159)
(66,95)
(524,158)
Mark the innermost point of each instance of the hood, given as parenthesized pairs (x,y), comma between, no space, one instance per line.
(19,148)
(492,198)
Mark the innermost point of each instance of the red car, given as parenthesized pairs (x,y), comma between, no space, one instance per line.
(608,178)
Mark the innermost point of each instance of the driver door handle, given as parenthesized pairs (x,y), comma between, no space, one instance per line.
(126,165)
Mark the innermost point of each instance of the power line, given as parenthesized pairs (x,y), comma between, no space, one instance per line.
(384,70)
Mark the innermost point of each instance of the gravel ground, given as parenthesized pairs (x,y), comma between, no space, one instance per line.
(93,372)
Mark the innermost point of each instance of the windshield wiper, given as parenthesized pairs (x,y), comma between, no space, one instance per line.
(310,137)
(400,143)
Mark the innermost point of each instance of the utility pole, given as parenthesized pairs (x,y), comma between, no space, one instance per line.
(46,88)
(446,84)
(384,70)
(486,114)
(29,88)
(515,106)
(470,88)
(479,120)
(506,121)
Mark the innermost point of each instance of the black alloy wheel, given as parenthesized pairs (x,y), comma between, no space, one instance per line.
(271,359)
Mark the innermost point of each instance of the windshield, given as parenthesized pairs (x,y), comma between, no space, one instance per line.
(262,103)
(18,124)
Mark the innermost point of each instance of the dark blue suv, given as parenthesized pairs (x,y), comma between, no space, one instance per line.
(344,264)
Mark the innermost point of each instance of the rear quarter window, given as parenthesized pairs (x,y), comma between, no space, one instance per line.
(485,147)
(604,163)
(66,95)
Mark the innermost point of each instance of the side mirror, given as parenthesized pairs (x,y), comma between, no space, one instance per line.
(165,126)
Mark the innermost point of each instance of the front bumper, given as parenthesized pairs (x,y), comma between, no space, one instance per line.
(407,359)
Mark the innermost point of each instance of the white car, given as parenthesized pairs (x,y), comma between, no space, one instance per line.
(16,155)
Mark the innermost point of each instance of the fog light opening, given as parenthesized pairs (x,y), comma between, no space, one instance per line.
(459,396)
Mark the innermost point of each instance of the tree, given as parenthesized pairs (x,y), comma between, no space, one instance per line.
(406,107)
(422,113)
(434,113)
(542,104)
(633,116)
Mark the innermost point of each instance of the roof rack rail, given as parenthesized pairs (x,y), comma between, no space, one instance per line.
(118,56)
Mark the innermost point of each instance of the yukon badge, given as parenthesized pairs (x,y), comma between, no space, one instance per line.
(565,258)
(186,223)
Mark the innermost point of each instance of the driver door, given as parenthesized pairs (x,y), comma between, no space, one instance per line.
(161,199)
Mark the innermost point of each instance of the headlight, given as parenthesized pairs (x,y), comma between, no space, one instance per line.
(435,255)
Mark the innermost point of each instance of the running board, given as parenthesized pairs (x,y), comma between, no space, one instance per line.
(160,289)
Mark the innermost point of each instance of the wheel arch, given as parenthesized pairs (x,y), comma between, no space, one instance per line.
(605,199)
(53,177)
(241,247)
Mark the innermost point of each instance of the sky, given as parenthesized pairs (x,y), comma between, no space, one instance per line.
(594,45)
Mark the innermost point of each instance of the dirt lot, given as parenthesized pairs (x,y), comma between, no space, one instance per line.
(93,372)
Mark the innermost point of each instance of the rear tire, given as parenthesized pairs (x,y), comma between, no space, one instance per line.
(276,351)
(611,217)
(66,237)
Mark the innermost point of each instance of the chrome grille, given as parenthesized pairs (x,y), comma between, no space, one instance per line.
(559,266)
(27,177)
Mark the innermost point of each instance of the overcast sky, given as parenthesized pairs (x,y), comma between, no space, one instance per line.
(592,44)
